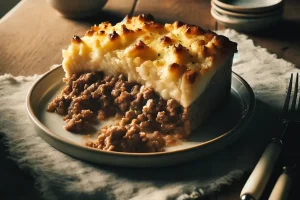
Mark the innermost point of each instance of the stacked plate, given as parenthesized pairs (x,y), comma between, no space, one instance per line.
(247,15)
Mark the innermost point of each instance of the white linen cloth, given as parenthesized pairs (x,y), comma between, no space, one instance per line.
(59,176)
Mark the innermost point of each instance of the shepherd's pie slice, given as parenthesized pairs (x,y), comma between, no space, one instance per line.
(186,69)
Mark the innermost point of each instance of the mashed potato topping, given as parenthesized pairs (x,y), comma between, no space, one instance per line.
(177,60)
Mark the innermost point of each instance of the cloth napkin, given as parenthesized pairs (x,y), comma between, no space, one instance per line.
(59,176)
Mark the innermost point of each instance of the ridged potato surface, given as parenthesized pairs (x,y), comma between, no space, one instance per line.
(178,60)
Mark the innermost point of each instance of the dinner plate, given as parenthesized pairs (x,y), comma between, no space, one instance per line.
(246,24)
(246,6)
(275,12)
(220,130)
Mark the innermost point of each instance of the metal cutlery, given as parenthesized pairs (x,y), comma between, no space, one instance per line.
(259,177)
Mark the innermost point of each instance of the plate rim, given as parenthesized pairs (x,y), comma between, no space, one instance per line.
(242,21)
(231,7)
(230,13)
(232,132)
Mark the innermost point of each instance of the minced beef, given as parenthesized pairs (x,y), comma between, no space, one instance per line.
(147,123)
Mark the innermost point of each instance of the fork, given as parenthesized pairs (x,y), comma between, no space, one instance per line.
(259,177)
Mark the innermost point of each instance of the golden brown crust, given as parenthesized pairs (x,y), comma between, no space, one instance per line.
(176,69)
(76,39)
(145,22)
(166,41)
(191,76)
(174,58)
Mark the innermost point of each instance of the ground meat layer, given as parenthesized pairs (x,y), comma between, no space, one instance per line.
(147,123)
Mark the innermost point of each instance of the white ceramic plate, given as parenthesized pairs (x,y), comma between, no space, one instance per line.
(246,24)
(220,130)
(249,5)
(275,12)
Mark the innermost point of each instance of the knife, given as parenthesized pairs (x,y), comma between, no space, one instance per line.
(290,160)
(283,184)
(259,177)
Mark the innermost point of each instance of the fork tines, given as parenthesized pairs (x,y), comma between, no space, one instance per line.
(289,110)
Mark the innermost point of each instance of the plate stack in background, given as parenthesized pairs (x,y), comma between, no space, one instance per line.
(247,15)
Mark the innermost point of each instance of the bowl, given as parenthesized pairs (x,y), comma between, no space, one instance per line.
(77,8)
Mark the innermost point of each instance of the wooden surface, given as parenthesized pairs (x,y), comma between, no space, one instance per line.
(33,34)
(33,40)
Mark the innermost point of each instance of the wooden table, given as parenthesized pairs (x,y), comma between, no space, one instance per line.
(33,34)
